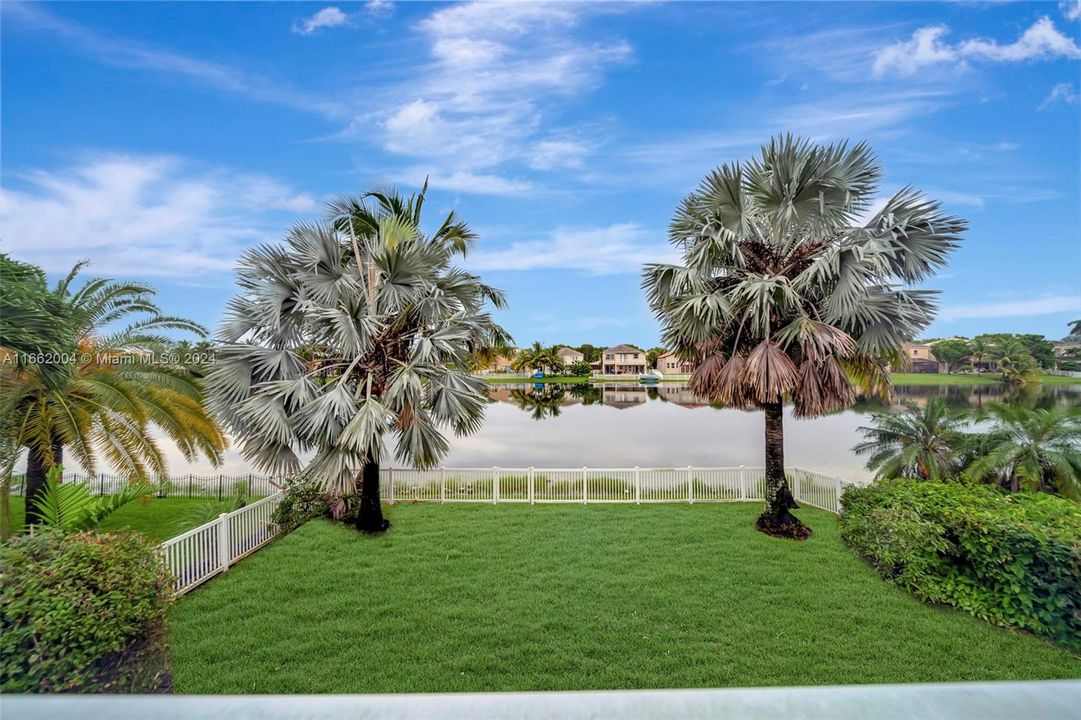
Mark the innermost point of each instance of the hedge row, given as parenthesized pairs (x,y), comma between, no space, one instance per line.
(82,613)
(1012,559)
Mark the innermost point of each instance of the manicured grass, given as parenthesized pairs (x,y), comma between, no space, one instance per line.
(487,598)
(984,379)
(158,518)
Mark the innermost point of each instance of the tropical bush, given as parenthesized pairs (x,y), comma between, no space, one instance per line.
(71,507)
(82,613)
(1011,559)
(304,500)
(580,368)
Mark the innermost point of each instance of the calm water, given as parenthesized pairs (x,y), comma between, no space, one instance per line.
(625,424)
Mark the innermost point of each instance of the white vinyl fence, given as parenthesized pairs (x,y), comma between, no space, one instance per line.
(203,552)
(603,485)
(210,549)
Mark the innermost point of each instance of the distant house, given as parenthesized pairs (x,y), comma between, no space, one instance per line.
(569,356)
(502,363)
(623,360)
(671,364)
(921,359)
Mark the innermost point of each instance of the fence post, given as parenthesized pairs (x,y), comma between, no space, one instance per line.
(637,485)
(495,485)
(442,485)
(102,490)
(531,492)
(797,486)
(223,541)
(585,486)
(220,478)
(742,484)
(249,484)
(390,479)
(840,489)
(690,485)
(191,481)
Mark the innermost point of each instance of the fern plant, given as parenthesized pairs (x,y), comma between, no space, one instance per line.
(71,507)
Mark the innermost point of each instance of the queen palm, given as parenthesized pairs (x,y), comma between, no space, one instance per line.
(1037,450)
(397,325)
(783,294)
(103,394)
(1015,362)
(917,442)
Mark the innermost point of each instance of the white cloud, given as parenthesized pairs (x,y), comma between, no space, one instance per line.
(379,8)
(1041,41)
(1063,92)
(498,74)
(325,18)
(144,215)
(464,181)
(1047,305)
(623,247)
(925,48)
(1071,9)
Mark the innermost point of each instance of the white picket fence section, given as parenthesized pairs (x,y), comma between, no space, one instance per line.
(586,485)
(201,553)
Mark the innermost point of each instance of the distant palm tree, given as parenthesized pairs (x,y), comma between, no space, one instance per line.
(396,322)
(981,350)
(1037,450)
(915,443)
(782,294)
(1015,362)
(1075,327)
(105,392)
(538,357)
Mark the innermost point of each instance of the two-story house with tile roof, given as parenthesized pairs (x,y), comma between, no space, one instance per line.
(623,360)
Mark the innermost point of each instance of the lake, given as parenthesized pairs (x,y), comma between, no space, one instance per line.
(626,424)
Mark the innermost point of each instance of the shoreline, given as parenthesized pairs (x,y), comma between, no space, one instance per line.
(914,379)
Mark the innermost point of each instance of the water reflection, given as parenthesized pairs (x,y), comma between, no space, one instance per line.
(626,424)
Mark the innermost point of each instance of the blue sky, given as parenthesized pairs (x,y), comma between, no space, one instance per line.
(159,139)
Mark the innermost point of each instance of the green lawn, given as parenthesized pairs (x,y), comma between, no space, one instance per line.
(984,379)
(158,518)
(898,379)
(488,598)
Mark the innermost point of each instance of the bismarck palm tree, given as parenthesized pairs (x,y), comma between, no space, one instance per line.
(783,294)
(103,394)
(918,442)
(1037,450)
(397,325)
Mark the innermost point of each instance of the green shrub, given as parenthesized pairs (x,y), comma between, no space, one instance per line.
(1012,559)
(303,501)
(82,613)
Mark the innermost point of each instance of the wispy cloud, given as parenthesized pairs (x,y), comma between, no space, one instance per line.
(328,17)
(139,57)
(927,47)
(1047,305)
(618,248)
(1060,93)
(489,96)
(143,214)
(1071,9)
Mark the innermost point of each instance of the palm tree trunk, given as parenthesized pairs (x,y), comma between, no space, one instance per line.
(776,518)
(36,471)
(370,517)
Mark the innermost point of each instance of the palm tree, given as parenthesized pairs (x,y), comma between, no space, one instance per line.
(104,393)
(1015,362)
(981,349)
(915,443)
(782,296)
(399,325)
(537,357)
(1075,327)
(1037,450)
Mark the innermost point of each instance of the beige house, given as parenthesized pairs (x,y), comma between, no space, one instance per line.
(569,356)
(921,359)
(671,364)
(623,360)
(502,363)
